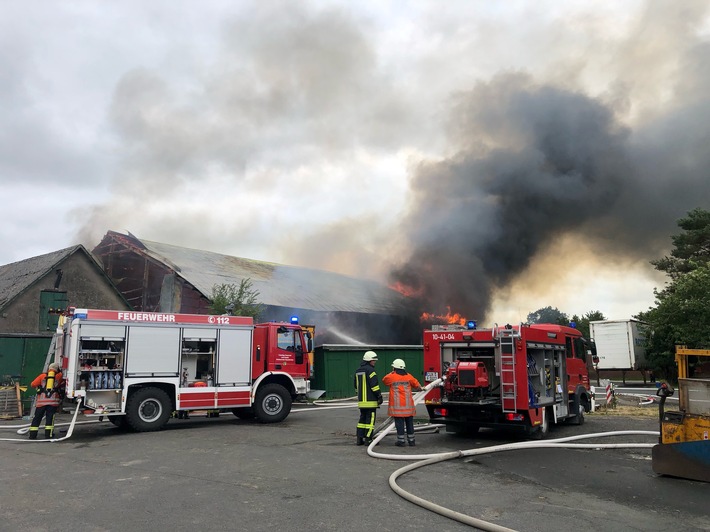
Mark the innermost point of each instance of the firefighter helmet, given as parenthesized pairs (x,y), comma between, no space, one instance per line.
(369,356)
(398,363)
(53,367)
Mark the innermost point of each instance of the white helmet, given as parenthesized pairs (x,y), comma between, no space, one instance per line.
(53,367)
(369,356)
(398,363)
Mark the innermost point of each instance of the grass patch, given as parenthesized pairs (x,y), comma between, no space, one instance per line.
(632,411)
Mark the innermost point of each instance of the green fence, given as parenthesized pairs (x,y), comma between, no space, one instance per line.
(334,365)
(22,358)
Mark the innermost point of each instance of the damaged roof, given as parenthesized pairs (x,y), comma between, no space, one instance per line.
(277,284)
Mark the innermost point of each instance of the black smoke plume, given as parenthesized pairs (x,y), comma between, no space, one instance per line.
(532,163)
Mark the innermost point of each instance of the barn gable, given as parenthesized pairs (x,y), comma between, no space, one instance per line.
(69,276)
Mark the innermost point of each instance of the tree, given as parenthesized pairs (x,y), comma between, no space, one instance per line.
(692,248)
(583,322)
(548,315)
(237,300)
(682,311)
(681,316)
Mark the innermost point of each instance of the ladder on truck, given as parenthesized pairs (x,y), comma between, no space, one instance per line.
(508,384)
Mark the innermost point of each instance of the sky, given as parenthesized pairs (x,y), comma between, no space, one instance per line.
(486,158)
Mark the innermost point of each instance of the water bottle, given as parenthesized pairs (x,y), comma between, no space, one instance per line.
(92,384)
(104,380)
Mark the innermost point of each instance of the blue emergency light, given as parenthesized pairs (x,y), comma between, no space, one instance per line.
(471,324)
(573,325)
(294,320)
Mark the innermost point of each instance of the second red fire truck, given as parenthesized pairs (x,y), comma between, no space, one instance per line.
(524,377)
(137,368)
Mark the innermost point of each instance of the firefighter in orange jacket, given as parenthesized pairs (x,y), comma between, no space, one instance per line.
(369,397)
(401,404)
(49,396)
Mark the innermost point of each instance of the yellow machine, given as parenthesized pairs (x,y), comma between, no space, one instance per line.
(684,448)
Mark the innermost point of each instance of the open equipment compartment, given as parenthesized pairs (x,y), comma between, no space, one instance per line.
(100,368)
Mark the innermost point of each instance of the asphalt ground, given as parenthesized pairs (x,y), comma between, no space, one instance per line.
(306,474)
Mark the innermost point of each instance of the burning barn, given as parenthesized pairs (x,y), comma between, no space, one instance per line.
(159,277)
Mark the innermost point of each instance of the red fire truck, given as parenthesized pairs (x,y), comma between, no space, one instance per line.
(522,377)
(137,368)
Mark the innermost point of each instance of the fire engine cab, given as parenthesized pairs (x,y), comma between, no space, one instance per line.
(522,377)
(137,368)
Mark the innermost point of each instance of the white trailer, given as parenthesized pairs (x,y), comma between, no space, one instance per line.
(620,345)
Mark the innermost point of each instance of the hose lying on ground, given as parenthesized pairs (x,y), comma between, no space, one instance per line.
(429,459)
(24,429)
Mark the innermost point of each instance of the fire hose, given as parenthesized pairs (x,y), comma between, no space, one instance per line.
(429,459)
(24,429)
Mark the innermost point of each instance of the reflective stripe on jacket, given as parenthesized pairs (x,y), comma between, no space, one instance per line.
(55,398)
(401,403)
(367,386)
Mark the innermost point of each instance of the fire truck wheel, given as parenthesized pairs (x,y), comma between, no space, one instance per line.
(244,413)
(578,418)
(542,430)
(273,403)
(148,409)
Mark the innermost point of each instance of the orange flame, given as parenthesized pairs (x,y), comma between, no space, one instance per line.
(406,290)
(454,318)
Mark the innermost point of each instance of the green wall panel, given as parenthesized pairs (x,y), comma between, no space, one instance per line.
(23,356)
(335,365)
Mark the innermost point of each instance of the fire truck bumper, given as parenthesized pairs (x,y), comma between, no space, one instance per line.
(303,386)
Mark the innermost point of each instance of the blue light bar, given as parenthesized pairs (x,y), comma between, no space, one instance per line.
(294,320)
(471,324)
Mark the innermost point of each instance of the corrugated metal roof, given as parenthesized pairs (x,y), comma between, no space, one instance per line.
(16,277)
(279,285)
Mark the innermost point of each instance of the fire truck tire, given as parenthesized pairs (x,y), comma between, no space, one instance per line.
(272,404)
(148,409)
(244,413)
(578,418)
(543,429)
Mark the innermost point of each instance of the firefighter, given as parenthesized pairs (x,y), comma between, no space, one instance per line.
(369,397)
(401,404)
(49,396)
